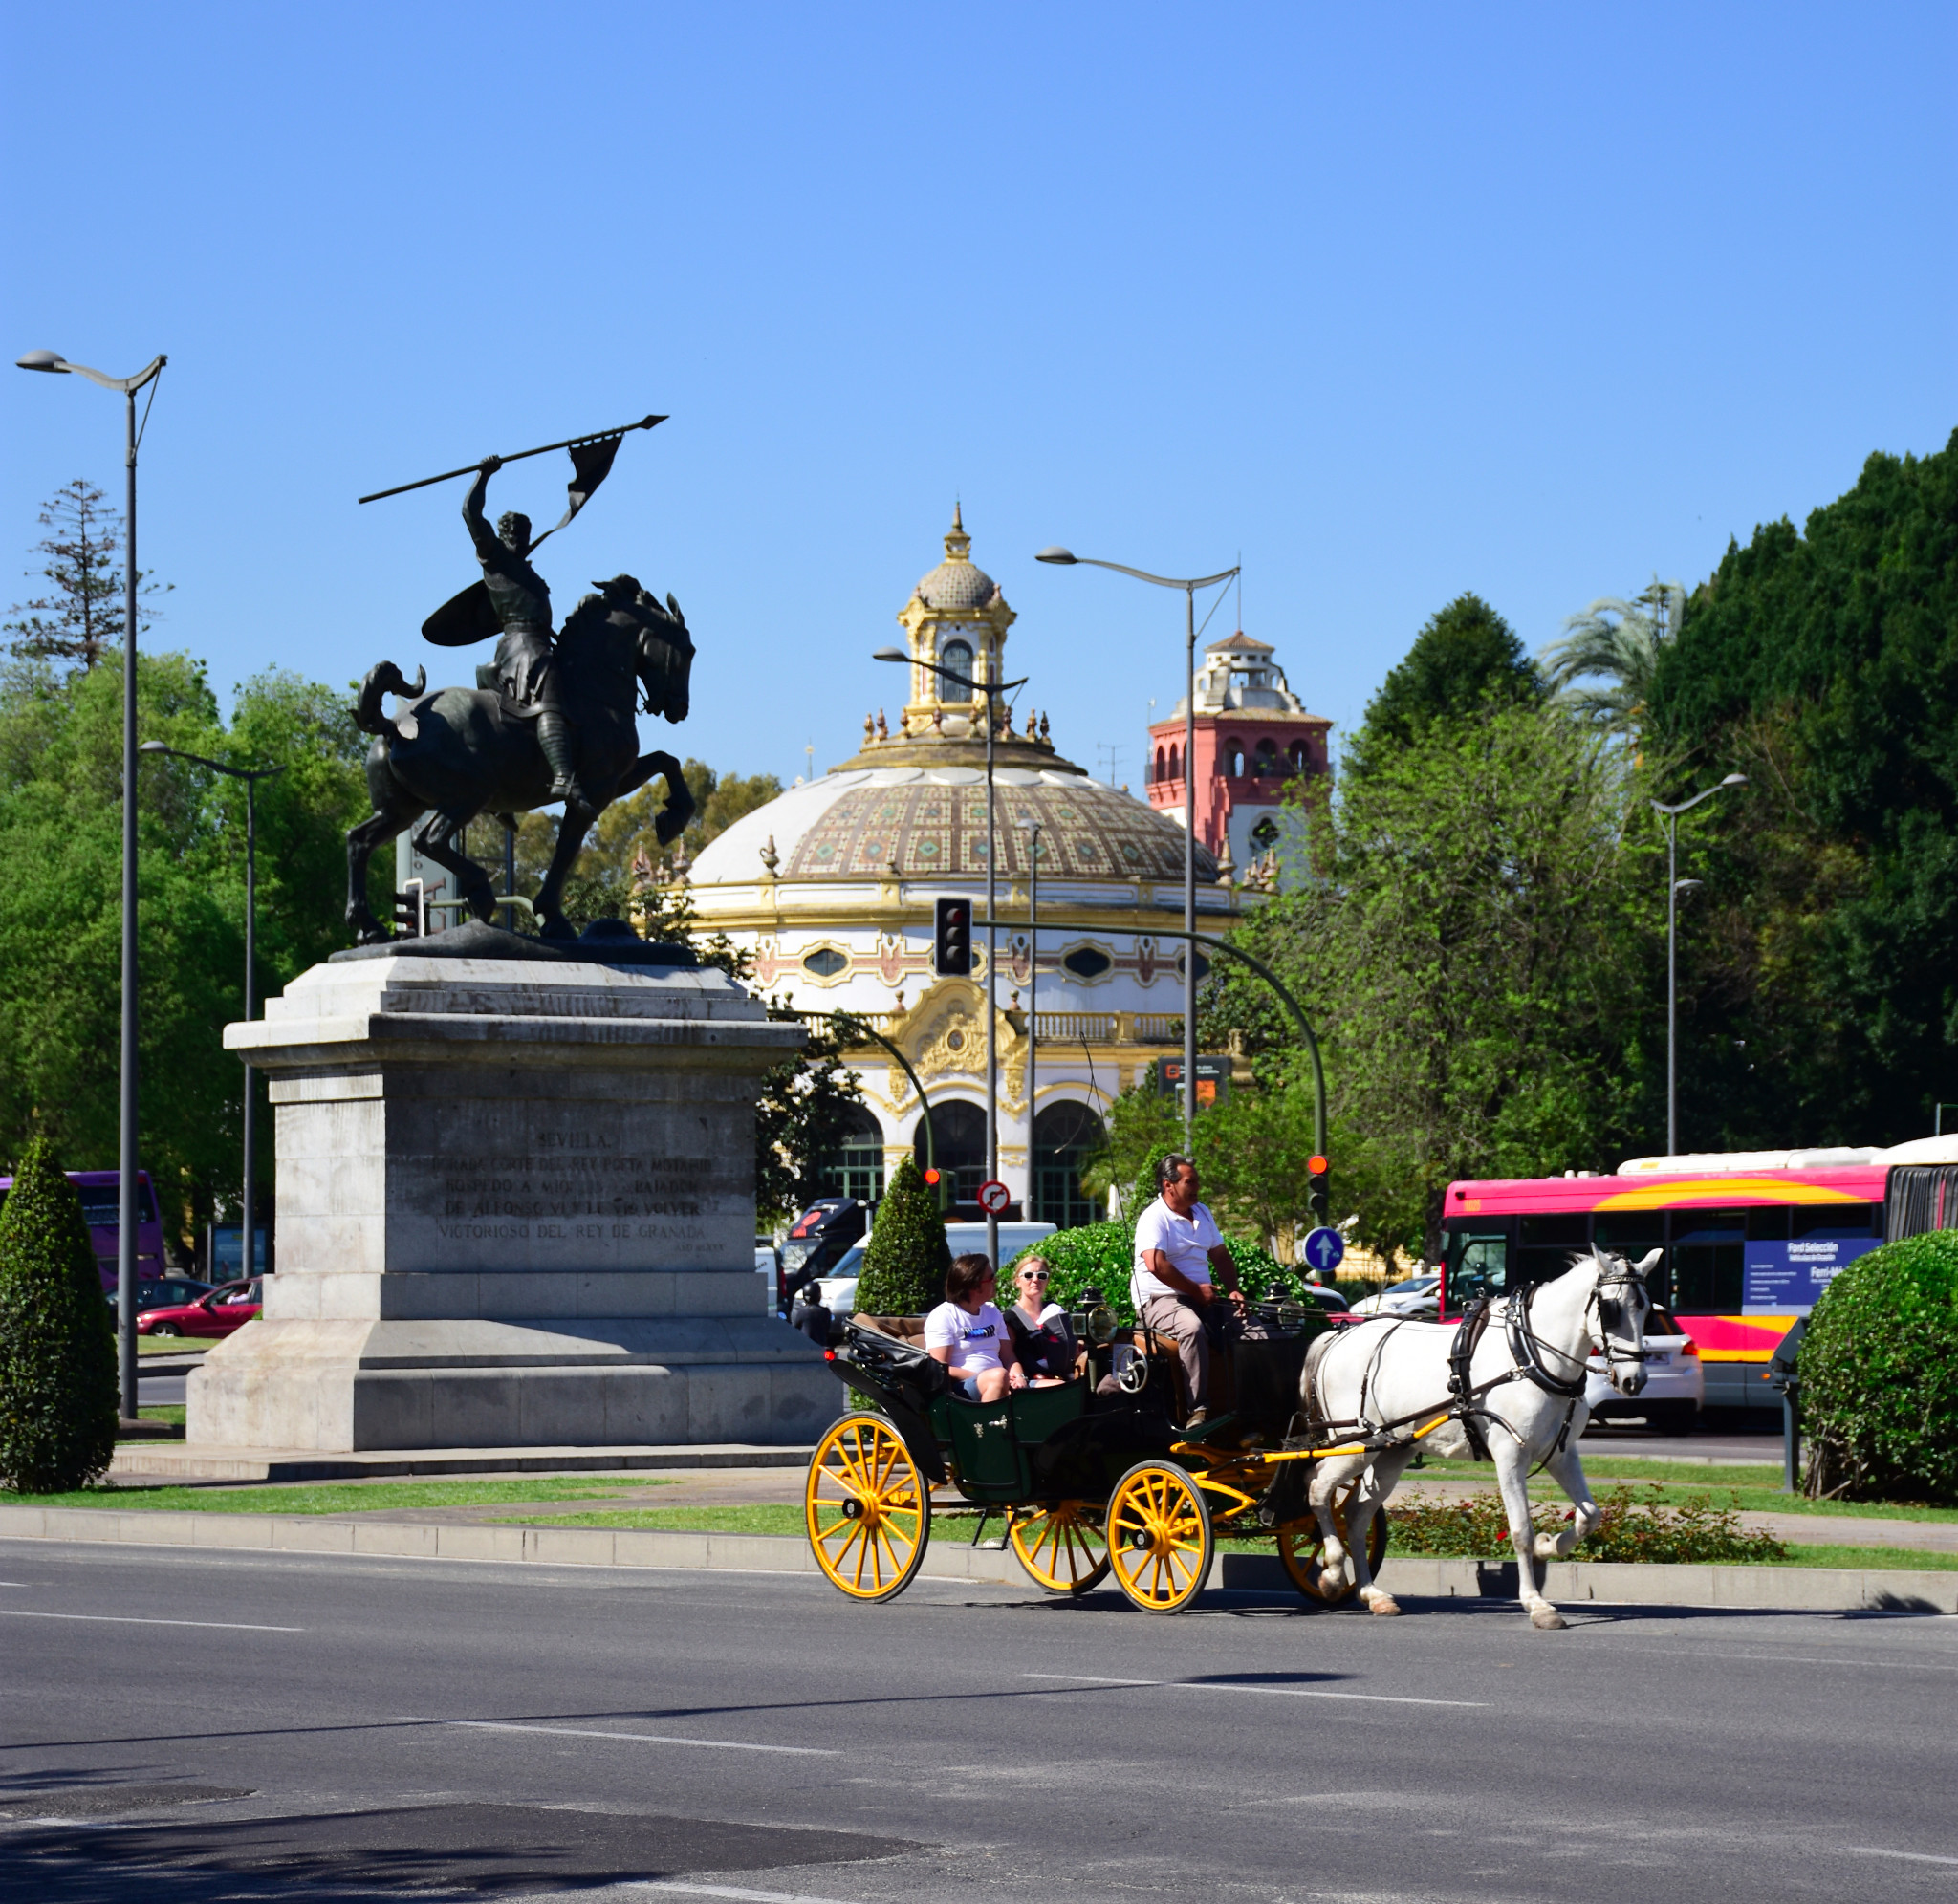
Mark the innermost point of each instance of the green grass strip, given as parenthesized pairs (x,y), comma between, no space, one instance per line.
(756,1517)
(356,1498)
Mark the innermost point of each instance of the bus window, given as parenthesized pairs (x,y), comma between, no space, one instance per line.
(1708,1247)
(1478,1264)
(1549,1243)
(1634,1234)
(1835,1223)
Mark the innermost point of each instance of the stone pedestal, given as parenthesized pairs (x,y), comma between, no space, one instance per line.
(515,1208)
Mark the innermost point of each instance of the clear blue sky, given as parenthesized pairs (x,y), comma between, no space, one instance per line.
(1398,302)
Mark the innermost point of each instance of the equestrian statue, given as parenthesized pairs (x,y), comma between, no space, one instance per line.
(551,718)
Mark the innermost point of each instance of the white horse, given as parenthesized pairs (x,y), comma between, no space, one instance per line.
(1525,1396)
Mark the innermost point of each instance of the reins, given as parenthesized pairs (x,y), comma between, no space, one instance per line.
(1526,1365)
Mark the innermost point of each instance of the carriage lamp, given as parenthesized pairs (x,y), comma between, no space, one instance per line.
(1100,1326)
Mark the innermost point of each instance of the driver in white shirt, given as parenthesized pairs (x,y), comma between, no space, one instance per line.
(1179,1249)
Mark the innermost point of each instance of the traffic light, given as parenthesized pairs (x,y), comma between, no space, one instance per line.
(952,941)
(931,1180)
(1317,1191)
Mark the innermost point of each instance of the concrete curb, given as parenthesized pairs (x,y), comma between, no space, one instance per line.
(1568,1583)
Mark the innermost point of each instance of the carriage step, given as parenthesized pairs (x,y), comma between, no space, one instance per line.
(1224,1424)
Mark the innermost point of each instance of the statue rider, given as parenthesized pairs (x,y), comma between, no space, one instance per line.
(526,663)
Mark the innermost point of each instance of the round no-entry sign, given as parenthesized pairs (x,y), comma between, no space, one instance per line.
(1324,1248)
(994,1196)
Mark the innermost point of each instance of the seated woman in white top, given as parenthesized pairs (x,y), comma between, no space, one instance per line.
(1041,1337)
(968,1335)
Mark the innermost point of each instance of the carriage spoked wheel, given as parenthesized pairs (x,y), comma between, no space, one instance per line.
(1064,1547)
(1299,1545)
(1159,1537)
(866,1507)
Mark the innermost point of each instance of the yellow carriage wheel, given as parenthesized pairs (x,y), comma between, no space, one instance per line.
(866,1507)
(1299,1543)
(1159,1537)
(1063,1547)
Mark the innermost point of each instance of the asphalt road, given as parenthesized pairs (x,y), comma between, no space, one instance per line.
(378,1730)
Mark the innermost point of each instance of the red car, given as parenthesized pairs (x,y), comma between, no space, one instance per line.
(219,1313)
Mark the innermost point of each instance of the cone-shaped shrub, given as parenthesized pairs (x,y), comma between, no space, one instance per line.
(907,1256)
(58,1398)
(1880,1377)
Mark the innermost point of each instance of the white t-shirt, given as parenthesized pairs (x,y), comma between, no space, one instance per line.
(974,1340)
(1186,1242)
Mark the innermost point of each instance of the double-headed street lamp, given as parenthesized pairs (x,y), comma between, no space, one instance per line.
(1189,588)
(992,690)
(125,1197)
(251,776)
(1674,886)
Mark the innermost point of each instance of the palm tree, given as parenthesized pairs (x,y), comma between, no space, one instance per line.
(1612,648)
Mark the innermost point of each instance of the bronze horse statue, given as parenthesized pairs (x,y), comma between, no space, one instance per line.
(460,751)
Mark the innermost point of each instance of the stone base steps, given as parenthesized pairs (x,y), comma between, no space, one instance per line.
(193,1461)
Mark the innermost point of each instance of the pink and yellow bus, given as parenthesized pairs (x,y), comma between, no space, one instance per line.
(1749,1240)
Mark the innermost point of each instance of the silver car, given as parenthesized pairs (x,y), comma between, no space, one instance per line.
(1675,1381)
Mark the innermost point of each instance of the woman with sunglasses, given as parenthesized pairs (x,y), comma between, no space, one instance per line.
(1042,1336)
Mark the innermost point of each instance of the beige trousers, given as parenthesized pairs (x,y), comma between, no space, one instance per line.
(1179,1317)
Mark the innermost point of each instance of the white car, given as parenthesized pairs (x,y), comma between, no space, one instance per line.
(1418,1298)
(1675,1381)
(839,1287)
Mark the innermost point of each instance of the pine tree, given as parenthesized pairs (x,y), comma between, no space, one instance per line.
(86,614)
(59,1397)
(904,1265)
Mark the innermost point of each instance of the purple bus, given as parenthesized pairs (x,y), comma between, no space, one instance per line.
(100,1192)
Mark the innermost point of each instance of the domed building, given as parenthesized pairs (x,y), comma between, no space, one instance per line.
(831,888)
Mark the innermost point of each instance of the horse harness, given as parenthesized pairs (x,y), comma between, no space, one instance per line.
(1604,1308)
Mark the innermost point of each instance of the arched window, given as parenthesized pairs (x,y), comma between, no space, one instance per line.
(957,656)
(1175,766)
(1297,756)
(1161,763)
(958,1130)
(855,1167)
(1266,765)
(1233,760)
(1067,1137)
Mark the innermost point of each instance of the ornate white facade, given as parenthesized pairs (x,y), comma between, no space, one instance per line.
(831,889)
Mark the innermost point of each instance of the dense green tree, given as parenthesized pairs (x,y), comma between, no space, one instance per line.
(1820,966)
(1464,656)
(1475,959)
(58,1355)
(60,907)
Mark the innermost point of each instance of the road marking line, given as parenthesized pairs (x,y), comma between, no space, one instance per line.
(1910,1857)
(734,1891)
(130,1619)
(1281,1692)
(642,1737)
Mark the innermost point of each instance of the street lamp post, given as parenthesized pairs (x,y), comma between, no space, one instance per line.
(251,776)
(1031,829)
(992,690)
(1674,885)
(1065,559)
(125,1195)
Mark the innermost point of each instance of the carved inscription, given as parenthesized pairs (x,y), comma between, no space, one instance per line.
(573,1186)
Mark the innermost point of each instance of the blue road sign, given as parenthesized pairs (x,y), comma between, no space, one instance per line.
(1325,1250)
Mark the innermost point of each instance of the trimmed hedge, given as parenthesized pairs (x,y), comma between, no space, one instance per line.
(58,1396)
(1879,1369)
(1101,1255)
(907,1255)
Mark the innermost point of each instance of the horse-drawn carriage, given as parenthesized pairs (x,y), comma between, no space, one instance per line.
(1097,1475)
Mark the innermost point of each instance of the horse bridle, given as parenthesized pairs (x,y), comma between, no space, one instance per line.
(1606,1309)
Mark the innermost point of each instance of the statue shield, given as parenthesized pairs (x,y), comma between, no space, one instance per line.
(462,618)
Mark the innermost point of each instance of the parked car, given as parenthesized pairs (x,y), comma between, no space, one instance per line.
(221,1312)
(1675,1381)
(1418,1297)
(839,1287)
(155,1292)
